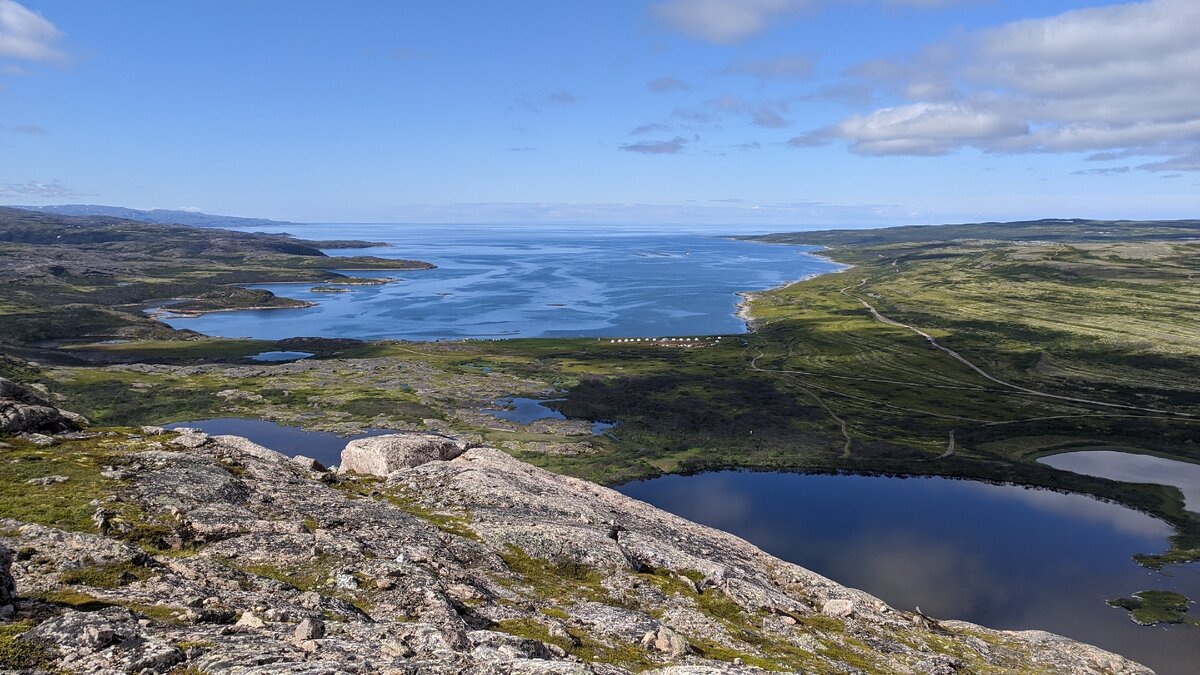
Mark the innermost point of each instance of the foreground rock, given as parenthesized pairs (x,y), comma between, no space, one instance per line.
(479,564)
(23,411)
(381,455)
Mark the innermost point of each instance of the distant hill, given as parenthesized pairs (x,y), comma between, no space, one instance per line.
(1051,229)
(159,216)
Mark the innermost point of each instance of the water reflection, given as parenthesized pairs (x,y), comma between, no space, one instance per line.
(323,446)
(1002,556)
(1122,519)
(280,356)
(1133,468)
(525,410)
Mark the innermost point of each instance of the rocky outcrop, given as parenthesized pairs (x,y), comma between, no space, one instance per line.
(108,640)
(478,564)
(381,455)
(23,411)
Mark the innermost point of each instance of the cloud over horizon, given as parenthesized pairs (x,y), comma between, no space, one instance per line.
(1119,79)
(53,189)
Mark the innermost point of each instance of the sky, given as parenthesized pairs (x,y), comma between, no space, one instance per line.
(803,113)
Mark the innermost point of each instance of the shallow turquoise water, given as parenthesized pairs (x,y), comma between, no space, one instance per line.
(505,282)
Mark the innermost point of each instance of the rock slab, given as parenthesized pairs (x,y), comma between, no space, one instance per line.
(382,455)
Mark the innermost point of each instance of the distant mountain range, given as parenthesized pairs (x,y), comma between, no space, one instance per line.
(160,216)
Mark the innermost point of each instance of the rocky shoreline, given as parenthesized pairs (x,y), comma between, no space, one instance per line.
(422,554)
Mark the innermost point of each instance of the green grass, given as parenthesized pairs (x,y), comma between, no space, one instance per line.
(111,575)
(65,505)
(305,576)
(580,644)
(560,581)
(18,654)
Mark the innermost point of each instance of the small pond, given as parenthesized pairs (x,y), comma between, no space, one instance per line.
(529,410)
(999,555)
(1133,468)
(323,446)
(280,356)
(525,410)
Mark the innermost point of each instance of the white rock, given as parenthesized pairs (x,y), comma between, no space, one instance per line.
(838,608)
(250,620)
(381,455)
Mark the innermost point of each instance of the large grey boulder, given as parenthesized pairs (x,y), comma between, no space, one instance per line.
(381,455)
(23,411)
(8,589)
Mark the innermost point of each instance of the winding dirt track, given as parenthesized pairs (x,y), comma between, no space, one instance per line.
(988,376)
(792,377)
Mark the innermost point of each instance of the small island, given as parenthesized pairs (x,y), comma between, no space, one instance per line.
(1149,608)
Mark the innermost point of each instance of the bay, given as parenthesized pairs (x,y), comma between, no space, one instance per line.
(504,282)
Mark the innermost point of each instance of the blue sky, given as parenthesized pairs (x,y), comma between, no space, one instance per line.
(782,112)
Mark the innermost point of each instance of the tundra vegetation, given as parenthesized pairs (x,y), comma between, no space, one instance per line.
(964,351)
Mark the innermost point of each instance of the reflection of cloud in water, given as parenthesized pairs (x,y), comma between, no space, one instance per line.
(725,504)
(1133,468)
(999,555)
(1121,518)
(910,569)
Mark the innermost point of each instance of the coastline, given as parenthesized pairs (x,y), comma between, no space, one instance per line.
(159,312)
(747,297)
(741,310)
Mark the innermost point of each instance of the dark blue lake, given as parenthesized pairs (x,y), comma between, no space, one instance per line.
(999,555)
(505,282)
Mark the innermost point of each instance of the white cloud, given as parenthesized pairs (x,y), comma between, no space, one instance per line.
(926,128)
(1119,78)
(794,67)
(671,147)
(768,114)
(27,35)
(38,190)
(662,85)
(723,21)
(30,130)
(731,21)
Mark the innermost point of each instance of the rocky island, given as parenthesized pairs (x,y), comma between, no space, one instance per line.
(151,551)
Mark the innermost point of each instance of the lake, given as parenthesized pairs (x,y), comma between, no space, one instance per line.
(506,282)
(1133,468)
(999,555)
